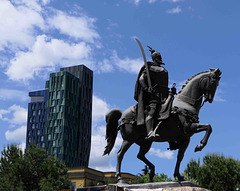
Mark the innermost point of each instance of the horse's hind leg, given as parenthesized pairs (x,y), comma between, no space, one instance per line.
(125,146)
(144,148)
(181,151)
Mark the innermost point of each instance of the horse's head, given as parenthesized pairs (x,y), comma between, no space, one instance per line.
(209,84)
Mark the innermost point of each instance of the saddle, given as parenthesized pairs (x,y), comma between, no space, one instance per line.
(129,116)
(166,107)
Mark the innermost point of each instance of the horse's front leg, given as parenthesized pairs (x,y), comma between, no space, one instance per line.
(181,151)
(199,128)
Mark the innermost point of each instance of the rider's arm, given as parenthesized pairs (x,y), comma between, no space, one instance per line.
(142,81)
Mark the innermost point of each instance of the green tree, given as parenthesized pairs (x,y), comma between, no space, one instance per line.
(217,172)
(144,178)
(31,171)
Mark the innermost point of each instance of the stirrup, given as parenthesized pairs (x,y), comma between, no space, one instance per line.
(151,135)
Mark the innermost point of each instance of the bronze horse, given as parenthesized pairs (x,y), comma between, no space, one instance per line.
(176,129)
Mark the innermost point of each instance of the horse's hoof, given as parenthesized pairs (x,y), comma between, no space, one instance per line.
(181,178)
(198,148)
(121,181)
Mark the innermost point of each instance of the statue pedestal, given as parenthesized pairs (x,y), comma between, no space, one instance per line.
(157,186)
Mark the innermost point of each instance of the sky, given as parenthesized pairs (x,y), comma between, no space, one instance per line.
(38,37)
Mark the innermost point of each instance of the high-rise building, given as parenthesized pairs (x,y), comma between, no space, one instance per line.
(37,118)
(65,122)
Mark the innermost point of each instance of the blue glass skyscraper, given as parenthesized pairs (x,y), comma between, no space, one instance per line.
(63,126)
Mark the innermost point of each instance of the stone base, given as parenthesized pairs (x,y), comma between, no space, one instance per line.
(158,186)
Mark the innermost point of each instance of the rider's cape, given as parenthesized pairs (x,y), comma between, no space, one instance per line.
(139,97)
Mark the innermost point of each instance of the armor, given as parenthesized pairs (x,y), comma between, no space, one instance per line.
(151,99)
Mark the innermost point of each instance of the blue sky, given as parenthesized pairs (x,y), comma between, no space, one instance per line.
(38,37)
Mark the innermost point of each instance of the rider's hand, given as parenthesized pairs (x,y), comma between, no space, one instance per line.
(148,89)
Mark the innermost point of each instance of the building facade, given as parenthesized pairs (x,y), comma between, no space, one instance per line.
(66,118)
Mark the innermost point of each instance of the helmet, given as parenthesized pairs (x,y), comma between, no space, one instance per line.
(156,56)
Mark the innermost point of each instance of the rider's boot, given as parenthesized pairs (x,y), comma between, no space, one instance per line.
(149,126)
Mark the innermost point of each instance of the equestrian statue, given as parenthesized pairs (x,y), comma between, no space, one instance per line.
(158,116)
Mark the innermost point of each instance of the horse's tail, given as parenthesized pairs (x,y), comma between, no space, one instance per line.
(112,118)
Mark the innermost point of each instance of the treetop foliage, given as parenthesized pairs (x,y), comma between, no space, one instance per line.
(31,171)
(217,172)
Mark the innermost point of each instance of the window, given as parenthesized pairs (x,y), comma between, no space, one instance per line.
(58,94)
(33,106)
(33,126)
(38,132)
(49,137)
(42,138)
(54,143)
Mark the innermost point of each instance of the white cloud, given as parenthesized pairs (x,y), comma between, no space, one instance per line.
(17,134)
(44,56)
(22,146)
(172,1)
(19,115)
(152,1)
(81,28)
(175,10)
(136,2)
(219,96)
(45,2)
(161,154)
(97,161)
(32,4)
(104,66)
(100,108)
(127,64)
(98,143)
(10,94)
(3,112)
(17,25)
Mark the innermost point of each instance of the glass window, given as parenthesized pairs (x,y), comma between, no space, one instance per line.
(54,143)
(49,136)
(33,126)
(33,106)
(42,138)
(58,94)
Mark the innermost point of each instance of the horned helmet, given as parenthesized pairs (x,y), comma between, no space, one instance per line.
(156,56)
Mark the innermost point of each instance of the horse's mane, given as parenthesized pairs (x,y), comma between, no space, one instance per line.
(189,79)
